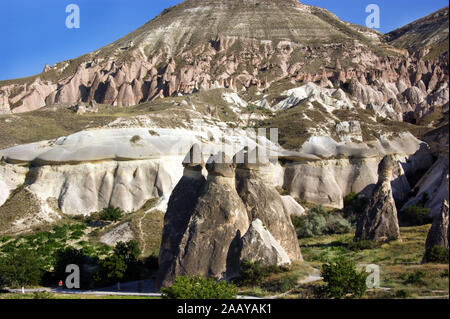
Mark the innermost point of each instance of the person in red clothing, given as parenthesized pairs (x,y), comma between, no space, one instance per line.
(60,284)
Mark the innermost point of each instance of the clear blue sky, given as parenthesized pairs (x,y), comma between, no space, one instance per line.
(34,33)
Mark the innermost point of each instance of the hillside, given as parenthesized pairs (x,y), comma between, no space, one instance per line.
(429,34)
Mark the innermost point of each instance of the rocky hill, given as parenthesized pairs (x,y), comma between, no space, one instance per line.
(233,44)
(210,72)
(429,35)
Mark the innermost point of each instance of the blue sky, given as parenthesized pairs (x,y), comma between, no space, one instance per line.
(34,33)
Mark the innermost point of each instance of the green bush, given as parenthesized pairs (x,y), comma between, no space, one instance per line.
(415,215)
(111,213)
(318,222)
(123,264)
(402,294)
(283,284)
(445,274)
(343,279)
(437,255)
(254,273)
(196,287)
(414,278)
(23,266)
(42,295)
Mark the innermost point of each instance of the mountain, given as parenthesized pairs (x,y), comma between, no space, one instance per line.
(428,34)
(111,128)
(204,44)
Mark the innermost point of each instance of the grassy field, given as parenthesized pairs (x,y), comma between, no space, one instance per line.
(402,274)
(68,296)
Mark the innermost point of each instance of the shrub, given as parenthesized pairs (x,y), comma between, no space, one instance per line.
(22,266)
(254,273)
(122,264)
(77,234)
(4,239)
(415,215)
(401,294)
(343,279)
(414,278)
(111,213)
(336,224)
(437,254)
(42,295)
(318,222)
(283,284)
(135,139)
(196,287)
(445,273)
(282,191)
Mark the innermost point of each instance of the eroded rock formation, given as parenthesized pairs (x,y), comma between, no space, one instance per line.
(379,220)
(258,244)
(207,230)
(439,231)
(214,53)
(205,238)
(254,185)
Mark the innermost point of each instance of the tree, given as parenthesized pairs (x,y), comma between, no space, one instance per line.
(22,266)
(343,279)
(129,251)
(123,263)
(111,213)
(115,268)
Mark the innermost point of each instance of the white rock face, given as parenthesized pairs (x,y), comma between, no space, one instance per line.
(235,99)
(89,187)
(11,176)
(433,186)
(121,233)
(326,147)
(125,167)
(327,182)
(348,131)
(259,244)
(131,144)
(330,99)
(292,207)
(4,105)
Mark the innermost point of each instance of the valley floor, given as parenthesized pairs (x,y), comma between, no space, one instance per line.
(401,273)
